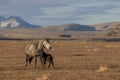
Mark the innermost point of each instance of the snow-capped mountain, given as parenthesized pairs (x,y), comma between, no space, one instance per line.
(15,22)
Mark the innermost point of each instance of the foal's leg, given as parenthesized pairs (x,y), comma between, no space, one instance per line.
(44,62)
(41,61)
(51,62)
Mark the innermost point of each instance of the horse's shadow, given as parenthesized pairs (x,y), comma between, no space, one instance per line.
(38,68)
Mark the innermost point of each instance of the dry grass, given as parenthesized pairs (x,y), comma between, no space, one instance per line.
(74,60)
(103,69)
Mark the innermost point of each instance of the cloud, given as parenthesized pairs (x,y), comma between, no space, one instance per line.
(35,3)
(51,12)
(77,14)
(19,8)
(27,7)
(92,10)
(54,20)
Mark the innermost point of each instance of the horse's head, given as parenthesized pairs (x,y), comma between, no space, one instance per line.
(45,43)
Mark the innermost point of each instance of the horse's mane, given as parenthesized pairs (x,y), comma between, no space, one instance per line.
(36,44)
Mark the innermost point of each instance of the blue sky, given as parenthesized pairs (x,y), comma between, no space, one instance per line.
(55,12)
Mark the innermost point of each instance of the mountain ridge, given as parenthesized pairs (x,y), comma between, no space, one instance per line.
(59,31)
(15,22)
(70,27)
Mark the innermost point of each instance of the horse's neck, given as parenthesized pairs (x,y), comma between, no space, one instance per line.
(40,46)
(40,49)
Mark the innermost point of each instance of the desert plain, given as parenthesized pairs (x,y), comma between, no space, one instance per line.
(74,60)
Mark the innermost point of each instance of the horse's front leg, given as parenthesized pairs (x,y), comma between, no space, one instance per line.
(35,61)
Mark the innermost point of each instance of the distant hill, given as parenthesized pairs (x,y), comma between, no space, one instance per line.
(114,31)
(18,28)
(78,27)
(105,26)
(71,27)
(110,29)
(15,22)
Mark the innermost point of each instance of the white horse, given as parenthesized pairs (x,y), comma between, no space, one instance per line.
(33,50)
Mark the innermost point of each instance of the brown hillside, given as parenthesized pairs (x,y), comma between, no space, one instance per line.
(114,31)
(71,27)
(105,26)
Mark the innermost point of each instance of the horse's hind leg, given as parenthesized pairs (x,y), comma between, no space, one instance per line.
(27,57)
(30,60)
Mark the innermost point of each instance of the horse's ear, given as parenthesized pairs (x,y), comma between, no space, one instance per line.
(47,39)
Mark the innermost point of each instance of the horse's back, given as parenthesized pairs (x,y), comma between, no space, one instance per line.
(30,50)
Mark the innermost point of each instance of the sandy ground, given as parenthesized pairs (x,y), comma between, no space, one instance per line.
(73,60)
